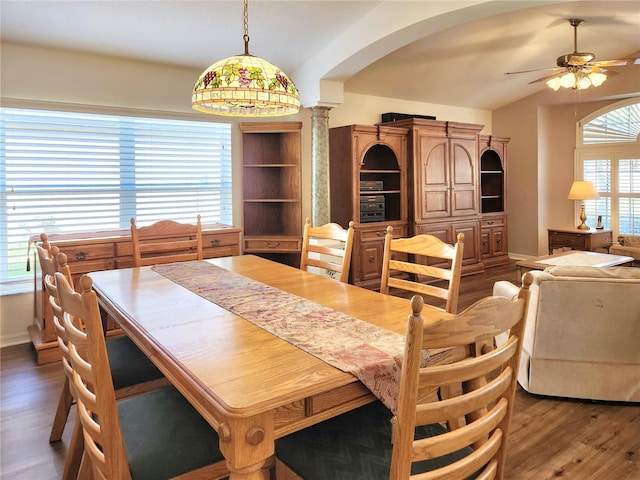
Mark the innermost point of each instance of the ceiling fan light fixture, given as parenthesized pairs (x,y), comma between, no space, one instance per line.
(597,79)
(245,86)
(578,80)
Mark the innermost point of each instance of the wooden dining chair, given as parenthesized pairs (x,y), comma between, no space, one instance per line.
(76,446)
(132,371)
(154,435)
(327,247)
(166,241)
(409,256)
(370,443)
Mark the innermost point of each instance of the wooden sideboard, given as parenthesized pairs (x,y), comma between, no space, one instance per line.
(572,238)
(92,251)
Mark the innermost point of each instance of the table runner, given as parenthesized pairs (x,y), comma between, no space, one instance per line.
(367,351)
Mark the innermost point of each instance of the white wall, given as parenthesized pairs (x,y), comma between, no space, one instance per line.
(365,109)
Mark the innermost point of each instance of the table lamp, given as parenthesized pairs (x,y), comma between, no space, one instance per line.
(583,191)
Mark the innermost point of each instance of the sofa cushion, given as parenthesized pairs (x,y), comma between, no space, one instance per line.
(630,273)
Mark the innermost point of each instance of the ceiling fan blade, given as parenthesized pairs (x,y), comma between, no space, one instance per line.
(620,62)
(547,77)
(535,70)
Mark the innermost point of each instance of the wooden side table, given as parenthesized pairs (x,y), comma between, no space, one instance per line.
(575,239)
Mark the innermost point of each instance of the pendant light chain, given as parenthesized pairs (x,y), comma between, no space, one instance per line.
(246,27)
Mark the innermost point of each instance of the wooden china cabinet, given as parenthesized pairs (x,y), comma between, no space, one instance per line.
(272,190)
(443,184)
(493,200)
(368,182)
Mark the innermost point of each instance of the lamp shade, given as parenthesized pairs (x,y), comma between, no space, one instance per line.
(583,191)
(245,86)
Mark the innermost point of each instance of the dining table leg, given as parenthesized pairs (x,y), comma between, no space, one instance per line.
(248,446)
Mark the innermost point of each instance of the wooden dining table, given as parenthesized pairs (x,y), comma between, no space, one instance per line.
(250,385)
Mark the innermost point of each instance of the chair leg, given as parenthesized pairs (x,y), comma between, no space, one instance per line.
(86,470)
(75,455)
(62,412)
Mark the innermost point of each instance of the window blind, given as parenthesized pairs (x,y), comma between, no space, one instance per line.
(65,172)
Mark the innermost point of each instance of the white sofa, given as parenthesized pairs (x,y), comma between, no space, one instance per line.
(582,336)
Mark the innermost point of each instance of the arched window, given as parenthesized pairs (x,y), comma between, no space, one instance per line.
(608,155)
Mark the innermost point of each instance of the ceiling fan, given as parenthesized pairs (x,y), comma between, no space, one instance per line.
(578,70)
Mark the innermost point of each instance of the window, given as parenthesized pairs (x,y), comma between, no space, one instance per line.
(609,156)
(64,172)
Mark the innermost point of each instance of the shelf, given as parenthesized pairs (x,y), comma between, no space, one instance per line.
(271,200)
(272,188)
(365,193)
(272,165)
(364,170)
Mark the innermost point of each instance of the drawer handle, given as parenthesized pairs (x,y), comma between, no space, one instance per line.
(498,241)
(371,259)
(490,222)
(484,242)
(215,242)
(81,256)
(272,244)
(381,234)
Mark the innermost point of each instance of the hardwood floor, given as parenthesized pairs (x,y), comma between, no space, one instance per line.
(550,438)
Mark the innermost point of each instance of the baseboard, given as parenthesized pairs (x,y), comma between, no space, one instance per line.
(15,339)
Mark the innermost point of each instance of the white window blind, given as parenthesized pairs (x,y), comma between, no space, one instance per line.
(609,156)
(65,172)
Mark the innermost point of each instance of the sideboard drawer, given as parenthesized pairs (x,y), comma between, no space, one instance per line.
(368,235)
(577,242)
(88,252)
(221,244)
(492,222)
(272,244)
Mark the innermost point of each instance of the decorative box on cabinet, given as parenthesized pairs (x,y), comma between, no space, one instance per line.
(272,190)
(368,183)
(443,179)
(92,251)
(493,200)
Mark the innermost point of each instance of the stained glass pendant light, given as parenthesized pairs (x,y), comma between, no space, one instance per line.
(245,86)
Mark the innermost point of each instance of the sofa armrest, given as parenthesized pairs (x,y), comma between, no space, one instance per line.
(505,289)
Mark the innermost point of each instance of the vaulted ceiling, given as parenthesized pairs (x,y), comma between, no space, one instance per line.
(443,52)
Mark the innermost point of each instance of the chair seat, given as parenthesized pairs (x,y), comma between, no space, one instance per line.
(129,366)
(180,442)
(365,435)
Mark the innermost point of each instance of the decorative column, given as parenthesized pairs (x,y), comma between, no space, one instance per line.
(320,202)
